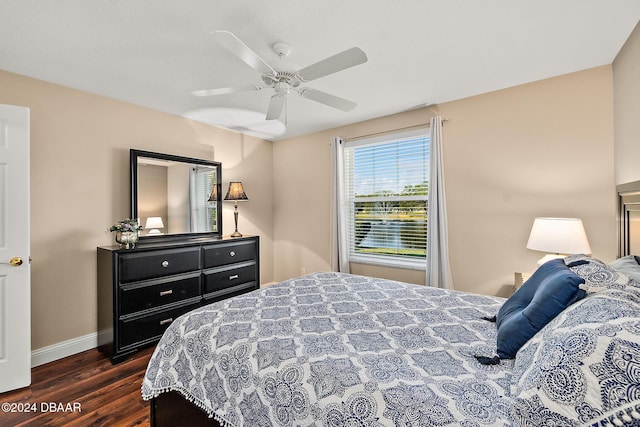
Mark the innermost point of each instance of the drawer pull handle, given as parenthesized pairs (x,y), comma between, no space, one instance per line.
(165,293)
(232,253)
(165,263)
(235,276)
(165,321)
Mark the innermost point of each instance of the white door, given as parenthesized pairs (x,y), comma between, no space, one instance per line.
(15,271)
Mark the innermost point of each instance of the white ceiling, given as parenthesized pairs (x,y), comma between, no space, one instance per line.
(155,52)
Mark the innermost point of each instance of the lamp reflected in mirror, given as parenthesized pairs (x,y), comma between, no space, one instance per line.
(154,224)
(236,193)
(213,197)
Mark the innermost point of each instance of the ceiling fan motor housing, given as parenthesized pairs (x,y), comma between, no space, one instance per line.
(286,77)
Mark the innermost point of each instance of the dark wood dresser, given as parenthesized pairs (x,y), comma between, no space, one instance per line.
(142,290)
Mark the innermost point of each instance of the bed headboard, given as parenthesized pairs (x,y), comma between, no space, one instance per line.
(629,212)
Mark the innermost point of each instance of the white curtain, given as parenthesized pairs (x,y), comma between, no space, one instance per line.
(438,269)
(339,246)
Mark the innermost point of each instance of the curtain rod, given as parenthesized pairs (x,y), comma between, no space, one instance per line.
(418,126)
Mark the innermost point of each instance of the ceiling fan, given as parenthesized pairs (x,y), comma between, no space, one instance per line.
(284,81)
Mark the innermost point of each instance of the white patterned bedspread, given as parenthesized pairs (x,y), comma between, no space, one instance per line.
(331,349)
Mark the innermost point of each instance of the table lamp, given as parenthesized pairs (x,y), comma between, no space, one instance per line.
(558,236)
(235,193)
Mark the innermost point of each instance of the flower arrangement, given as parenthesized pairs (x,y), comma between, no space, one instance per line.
(126,225)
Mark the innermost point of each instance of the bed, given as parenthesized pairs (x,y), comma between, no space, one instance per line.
(344,350)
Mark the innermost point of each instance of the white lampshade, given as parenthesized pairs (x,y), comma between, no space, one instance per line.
(153,224)
(559,236)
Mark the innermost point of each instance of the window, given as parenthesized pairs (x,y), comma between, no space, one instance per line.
(386,190)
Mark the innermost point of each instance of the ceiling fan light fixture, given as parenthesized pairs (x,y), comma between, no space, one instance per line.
(269,80)
(282,88)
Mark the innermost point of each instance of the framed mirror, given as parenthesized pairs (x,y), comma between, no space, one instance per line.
(174,196)
(629,218)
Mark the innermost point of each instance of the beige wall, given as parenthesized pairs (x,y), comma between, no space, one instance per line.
(626,95)
(540,149)
(544,148)
(80,186)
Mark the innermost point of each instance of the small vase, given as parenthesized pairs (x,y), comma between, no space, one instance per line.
(127,238)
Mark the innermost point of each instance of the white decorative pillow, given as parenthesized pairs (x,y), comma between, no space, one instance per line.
(583,368)
(597,275)
(627,265)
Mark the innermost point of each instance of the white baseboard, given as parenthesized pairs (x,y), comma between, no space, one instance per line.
(63,349)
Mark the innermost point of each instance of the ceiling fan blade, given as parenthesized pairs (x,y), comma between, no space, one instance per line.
(327,99)
(242,51)
(225,90)
(338,62)
(275,107)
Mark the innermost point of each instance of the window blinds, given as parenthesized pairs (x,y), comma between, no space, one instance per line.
(203,216)
(387,186)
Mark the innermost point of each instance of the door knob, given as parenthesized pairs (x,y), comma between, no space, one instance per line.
(16,261)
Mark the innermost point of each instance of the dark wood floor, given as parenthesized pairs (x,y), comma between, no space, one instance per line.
(107,395)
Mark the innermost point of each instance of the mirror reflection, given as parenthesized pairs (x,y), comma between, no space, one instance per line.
(175,195)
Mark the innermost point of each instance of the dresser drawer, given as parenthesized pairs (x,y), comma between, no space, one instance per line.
(215,280)
(148,328)
(230,292)
(140,296)
(147,265)
(228,253)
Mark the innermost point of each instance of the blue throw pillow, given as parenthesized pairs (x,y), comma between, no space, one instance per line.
(549,290)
